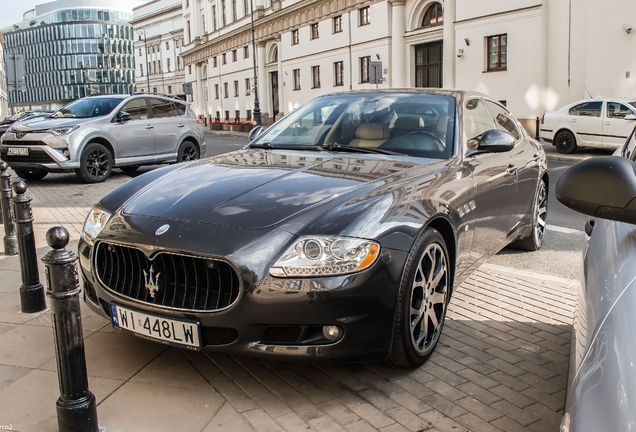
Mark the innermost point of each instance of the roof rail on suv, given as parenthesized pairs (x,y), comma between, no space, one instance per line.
(180,97)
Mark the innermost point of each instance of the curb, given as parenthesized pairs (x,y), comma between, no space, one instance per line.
(567,158)
(517,272)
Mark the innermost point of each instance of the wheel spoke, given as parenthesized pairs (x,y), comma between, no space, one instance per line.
(430,314)
(438,298)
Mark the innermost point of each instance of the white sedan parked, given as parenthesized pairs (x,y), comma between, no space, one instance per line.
(599,123)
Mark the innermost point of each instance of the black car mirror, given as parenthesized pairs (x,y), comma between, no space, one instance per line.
(630,117)
(603,187)
(123,116)
(496,141)
(255,133)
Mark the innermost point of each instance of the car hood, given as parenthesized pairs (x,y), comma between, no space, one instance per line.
(48,123)
(256,189)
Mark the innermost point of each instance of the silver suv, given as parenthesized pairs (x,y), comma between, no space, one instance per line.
(95,134)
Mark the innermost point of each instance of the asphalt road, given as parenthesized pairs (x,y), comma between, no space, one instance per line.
(564,240)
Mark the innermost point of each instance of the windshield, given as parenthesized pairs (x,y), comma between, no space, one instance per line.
(88,107)
(414,124)
(18,115)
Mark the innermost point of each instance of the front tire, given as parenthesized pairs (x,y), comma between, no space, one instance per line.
(539,219)
(31,174)
(422,301)
(187,152)
(96,164)
(565,142)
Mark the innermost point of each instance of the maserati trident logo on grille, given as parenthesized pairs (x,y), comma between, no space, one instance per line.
(162,229)
(152,281)
(19,135)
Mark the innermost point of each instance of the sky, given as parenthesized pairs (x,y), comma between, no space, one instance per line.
(12,10)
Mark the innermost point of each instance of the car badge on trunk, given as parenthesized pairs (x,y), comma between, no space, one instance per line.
(19,135)
(151,281)
(162,229)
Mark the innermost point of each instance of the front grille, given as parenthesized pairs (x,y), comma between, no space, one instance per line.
(23,143)
(35,156)
(170,280)
(218,335)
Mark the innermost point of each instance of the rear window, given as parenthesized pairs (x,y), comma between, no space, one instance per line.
(180,108)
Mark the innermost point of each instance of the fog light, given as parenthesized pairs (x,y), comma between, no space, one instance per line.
(331,332)
(67,153)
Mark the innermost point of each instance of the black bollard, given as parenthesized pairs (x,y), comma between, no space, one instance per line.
(32,298)
(76,407)
(537,125)
(10,239)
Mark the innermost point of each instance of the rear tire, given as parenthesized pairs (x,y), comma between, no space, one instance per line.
(539,219)
(187,152)
(96,164)
(31,174)
(565,142)
(422,301)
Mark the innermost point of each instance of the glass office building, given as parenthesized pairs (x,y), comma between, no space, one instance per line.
(71,53)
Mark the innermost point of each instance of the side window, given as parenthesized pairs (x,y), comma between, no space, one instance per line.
(161,108)
(180,109)
(617,110)
(137,109)
(587,109)
(477,120)
(503,119)
(630,148)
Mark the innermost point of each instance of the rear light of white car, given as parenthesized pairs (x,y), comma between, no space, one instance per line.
(542,118)
(199,121)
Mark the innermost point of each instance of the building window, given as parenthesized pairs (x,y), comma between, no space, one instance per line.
(225,92)
(248,115)
(216,91)
(169,89)
(213,17)
(223,58)
(223,10)
(176,43)
(187,3)
(338,69)
(227,115)
(497,52)
(337,24)
(167,45)
(234,15)
(314,31)
(434,15)
(237,115)
(236,89)
(246,7)
(234,56)
(153,49)
(168,64)
(296,73)
(141,70)
(139,52)
(154,89)
(295,38)
(364,69)
(218,116)
(203,23)
(246,52)
(189,32)
(214,62)
(315,77)
(248,87)
(159,66)
(189,69)
(363,15)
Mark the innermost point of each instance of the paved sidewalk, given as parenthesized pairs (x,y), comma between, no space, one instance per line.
(501,364)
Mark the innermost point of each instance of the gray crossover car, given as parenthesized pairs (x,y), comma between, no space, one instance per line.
(602,386)
(93,135)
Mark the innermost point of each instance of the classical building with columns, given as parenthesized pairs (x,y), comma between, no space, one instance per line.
(535,55)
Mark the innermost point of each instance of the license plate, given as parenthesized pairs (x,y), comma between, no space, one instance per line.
(16,151)
(181,333)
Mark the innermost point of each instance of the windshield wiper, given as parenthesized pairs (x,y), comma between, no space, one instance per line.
(374,150)
(267,145)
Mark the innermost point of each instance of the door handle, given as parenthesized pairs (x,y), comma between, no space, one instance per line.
(607,122)
(180,125)
(512,168)
(573,120)
(149,127)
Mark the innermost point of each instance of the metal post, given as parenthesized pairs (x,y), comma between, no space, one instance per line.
(76,407)
(537,134)
(257,106)
(10,239)
(32,298)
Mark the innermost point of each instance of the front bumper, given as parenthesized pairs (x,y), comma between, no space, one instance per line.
(362,305)
(45,152)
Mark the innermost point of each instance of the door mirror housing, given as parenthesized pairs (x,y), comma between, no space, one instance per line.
(123,116)
(255,133)
(630,117)
(603,187)
(496,141)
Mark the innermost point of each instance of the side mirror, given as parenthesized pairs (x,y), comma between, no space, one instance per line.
(603,187)
(496,141)
(123,116)
(255,133)
(630,117)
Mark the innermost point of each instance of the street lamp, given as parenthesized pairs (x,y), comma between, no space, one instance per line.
(257,108)
(143,32)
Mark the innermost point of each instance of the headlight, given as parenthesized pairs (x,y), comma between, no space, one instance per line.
(325,256)
(94,224)
(62,130)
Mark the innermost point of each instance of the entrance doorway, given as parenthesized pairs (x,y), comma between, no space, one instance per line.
(428,65)
(274,81)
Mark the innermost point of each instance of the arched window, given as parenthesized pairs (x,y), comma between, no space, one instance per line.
(434,15)
(274,57)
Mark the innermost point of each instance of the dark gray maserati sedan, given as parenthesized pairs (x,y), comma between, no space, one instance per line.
(338,233)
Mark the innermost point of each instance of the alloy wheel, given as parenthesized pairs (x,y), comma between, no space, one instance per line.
(97,163)
(428,298)
(542,212)
(188,153)
(565,143)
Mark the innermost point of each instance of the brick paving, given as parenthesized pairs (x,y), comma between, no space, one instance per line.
(501,364)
